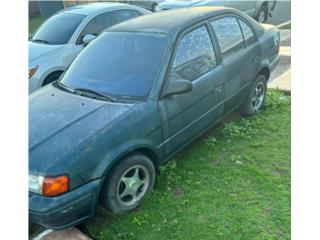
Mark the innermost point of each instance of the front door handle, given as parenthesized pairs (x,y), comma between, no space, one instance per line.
(218,90)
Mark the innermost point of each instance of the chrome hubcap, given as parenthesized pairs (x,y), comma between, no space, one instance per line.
(133,185)
(258,96)
(261,17)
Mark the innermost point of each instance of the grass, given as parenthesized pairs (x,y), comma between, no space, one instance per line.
(34,23)
(233,183)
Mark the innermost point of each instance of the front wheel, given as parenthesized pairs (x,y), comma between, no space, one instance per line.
(127,184)
(51,78)
(256,97)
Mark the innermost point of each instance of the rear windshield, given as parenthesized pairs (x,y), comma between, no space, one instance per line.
(58,29)
(124,65)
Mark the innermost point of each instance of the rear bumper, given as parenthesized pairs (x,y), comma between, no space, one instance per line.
(274,63)
(65,210)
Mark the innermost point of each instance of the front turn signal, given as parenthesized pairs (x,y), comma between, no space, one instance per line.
(54,186)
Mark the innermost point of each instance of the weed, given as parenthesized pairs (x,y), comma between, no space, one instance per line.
(211,141)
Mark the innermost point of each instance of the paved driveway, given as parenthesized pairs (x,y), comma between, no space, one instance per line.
(281,13)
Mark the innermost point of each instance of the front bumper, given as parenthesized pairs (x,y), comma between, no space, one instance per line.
(65,210)
(34,83)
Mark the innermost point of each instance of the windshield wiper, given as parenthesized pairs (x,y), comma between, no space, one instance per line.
(41,41)
(97,94)
(63,86)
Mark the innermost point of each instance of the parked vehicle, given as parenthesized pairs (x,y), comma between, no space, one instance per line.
(134,97)
(148,4)
(62,37)
(259,10)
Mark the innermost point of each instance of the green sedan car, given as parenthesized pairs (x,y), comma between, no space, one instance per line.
(134,97)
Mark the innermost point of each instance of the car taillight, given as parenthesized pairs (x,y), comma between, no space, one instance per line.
(276,39)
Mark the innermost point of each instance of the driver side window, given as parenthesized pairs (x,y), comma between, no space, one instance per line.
(194,56)
(96,26)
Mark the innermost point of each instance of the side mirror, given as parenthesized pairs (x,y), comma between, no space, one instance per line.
(178,86)
(86,39)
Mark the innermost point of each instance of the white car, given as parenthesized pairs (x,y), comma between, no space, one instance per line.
(258,10)
(58,41)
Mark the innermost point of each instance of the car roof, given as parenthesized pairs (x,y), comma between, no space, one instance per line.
(171,22)
(95,8)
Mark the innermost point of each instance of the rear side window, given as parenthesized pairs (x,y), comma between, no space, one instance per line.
(194,55)
(96,25)
(229,35)
(247,33)
(123,15)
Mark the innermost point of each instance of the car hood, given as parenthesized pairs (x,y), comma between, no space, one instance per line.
(172,4)
(59,122)
(38,50)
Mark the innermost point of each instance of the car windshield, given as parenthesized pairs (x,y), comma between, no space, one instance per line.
(119,64)
(58,29)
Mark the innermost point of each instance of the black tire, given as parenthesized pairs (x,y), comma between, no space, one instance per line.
(153,7)
(262,16)
(250,106)
(51,78)
(111,189)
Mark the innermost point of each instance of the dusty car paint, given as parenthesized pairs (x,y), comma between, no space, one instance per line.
(85,137)
(249,7)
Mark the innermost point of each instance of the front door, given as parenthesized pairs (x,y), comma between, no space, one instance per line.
(184,116)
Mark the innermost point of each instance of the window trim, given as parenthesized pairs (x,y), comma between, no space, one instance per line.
(126,9)
(151,93)
(110,11)
(171,56)
(215,43)
(77,41)
(216,47)
(75,32)
(252,30)
(178,40)
(225,16)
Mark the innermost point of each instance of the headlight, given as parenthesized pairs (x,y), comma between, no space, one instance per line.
(32,71)
(35,184)
(48,186)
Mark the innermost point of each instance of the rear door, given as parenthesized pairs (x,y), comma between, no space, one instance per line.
(185,115)
(119,16)
(237,61)
(252,52)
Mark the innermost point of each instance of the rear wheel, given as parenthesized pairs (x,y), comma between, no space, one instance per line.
(256,98)
(262,16)
(127,184)
(154,7)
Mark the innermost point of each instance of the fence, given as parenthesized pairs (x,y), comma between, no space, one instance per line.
(34,10)
(72,3)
